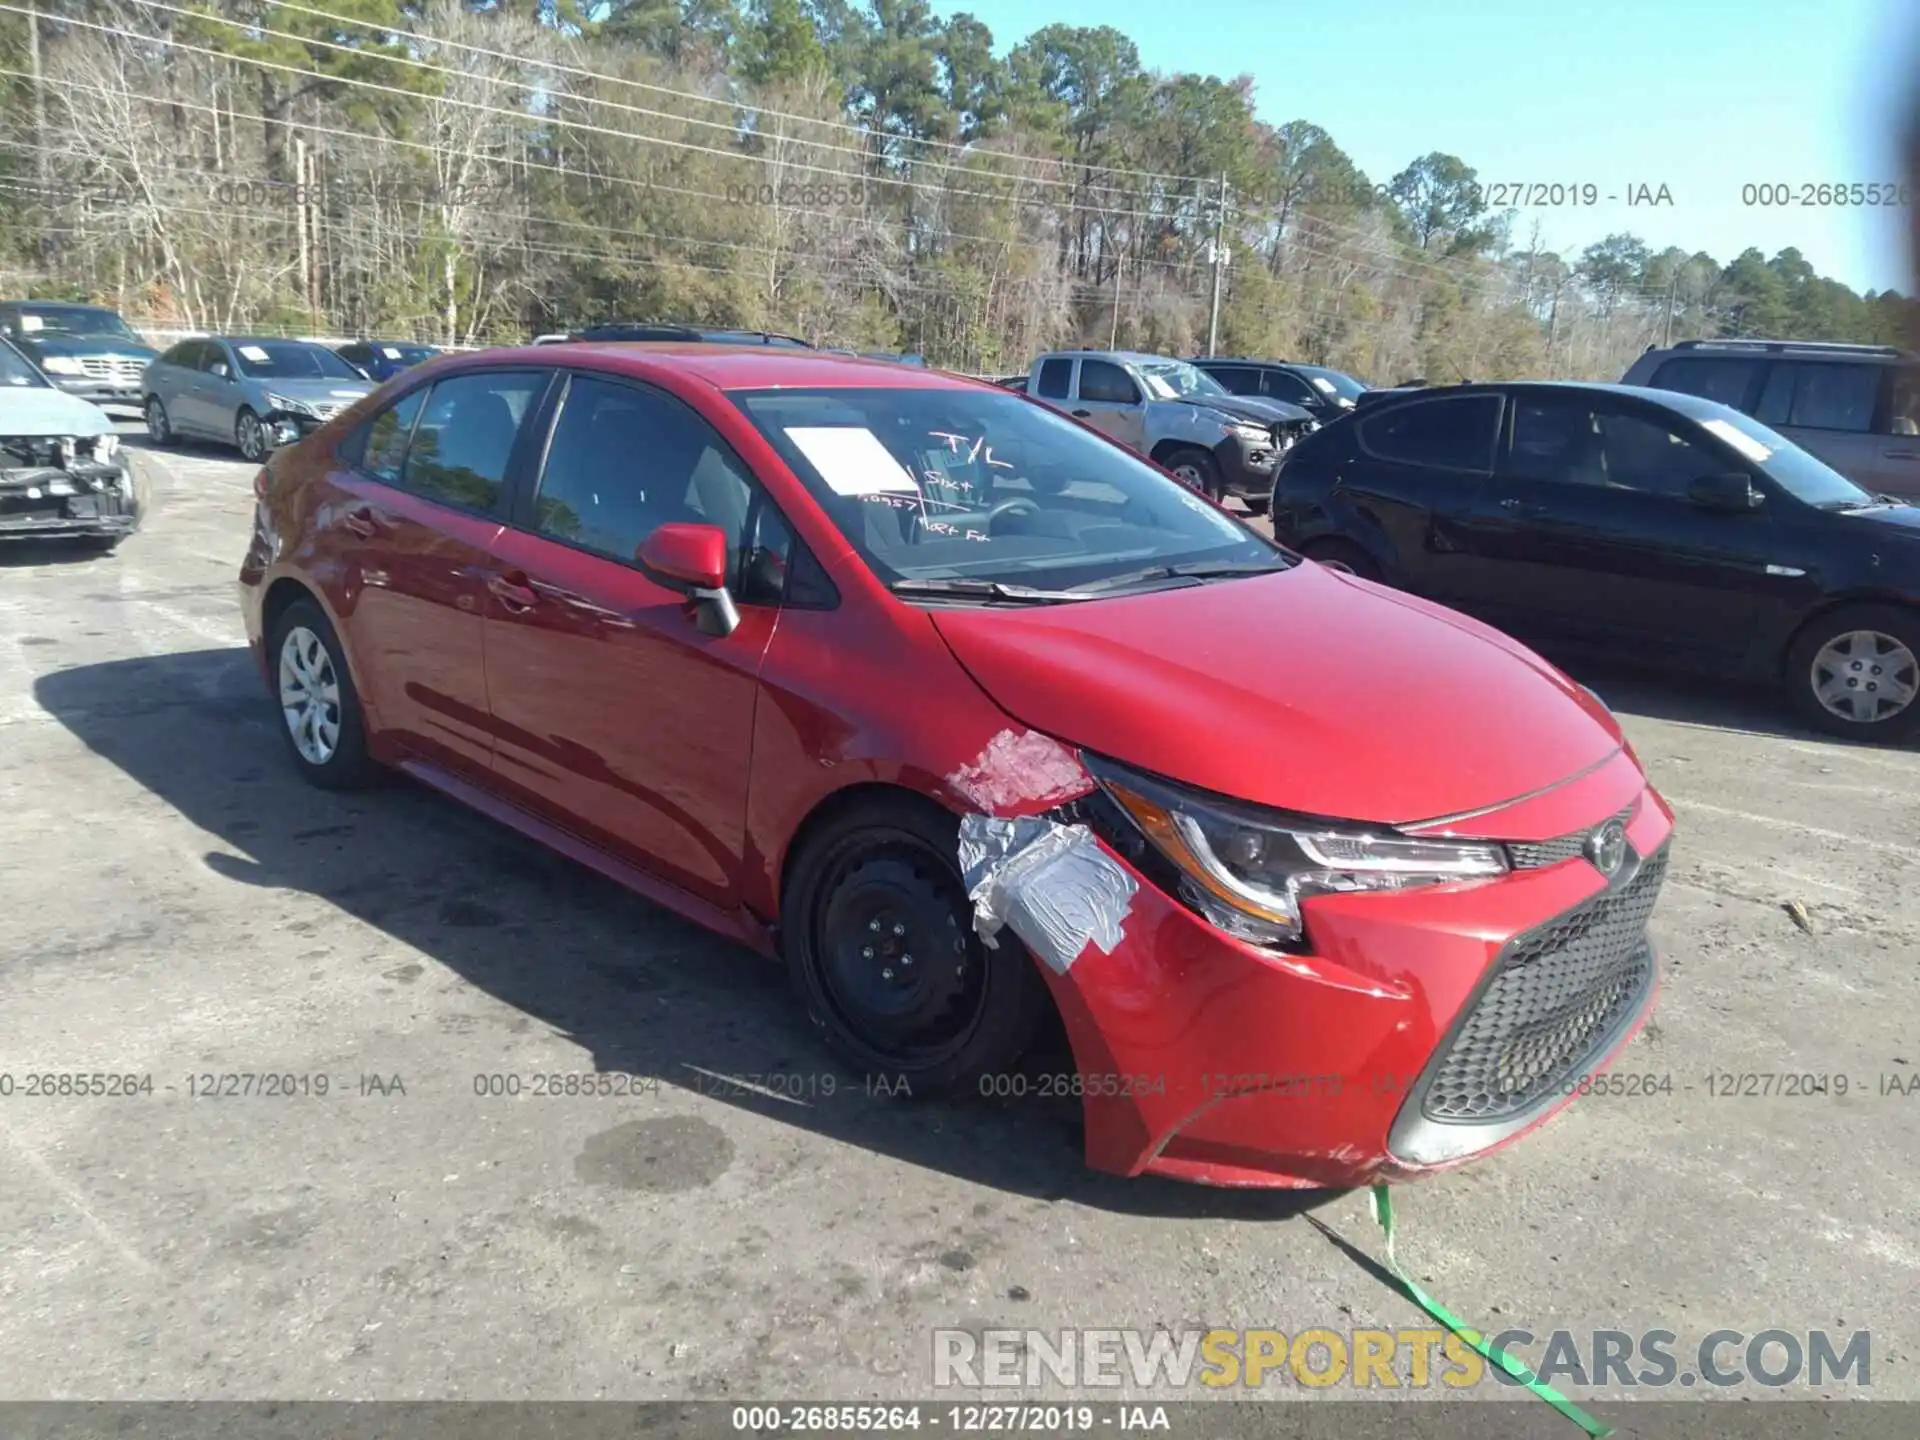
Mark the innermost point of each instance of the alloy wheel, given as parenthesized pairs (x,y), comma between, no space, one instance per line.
(159,428)
(309,695)
(1865,676)
(252,437)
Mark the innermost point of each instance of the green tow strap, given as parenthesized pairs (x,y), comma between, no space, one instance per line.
(1383,1216)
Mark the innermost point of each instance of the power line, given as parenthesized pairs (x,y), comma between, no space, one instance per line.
(694,95)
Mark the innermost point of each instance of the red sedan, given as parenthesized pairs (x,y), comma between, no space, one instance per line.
(965,712)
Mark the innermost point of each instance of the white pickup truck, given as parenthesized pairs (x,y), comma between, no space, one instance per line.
(1176,415)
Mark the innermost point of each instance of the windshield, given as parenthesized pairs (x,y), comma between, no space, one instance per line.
(14,369)
(1799,473)
(1332,382)
(948,484)
(290,360)
(1175,379)
(74,320)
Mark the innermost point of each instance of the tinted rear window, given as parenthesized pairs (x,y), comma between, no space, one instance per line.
(1724,380)
(1455,433)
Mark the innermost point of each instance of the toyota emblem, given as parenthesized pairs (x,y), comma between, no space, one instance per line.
(1607,847)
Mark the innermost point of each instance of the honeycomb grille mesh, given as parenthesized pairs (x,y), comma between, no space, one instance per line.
(1532,855)
(1556,996)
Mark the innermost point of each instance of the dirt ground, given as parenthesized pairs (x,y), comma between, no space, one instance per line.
(174,902)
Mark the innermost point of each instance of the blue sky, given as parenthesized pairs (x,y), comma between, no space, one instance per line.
(1702,96)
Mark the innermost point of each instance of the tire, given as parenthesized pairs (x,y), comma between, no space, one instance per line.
(250,434)
(1864,660)
(1257,504)
(159,423)
(1198,469)
(319,673)
(1344,556)
(885,863)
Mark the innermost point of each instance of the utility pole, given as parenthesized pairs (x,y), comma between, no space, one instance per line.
(1219,265)
(1113,330)
(1666,331)
(39,126)
(300,221)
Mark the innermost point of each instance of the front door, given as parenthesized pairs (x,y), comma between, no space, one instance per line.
(1587,536)
(1108,399)
(615,716)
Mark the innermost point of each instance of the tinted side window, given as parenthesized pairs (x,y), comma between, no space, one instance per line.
(1455,434)
(1054,378)
(380,446)
(1821,397)
(181,354)
(1104,380)
(1283,386)
(465,437)
(1642,455)
(624,461)
(1724,380)
(212,354)
(1556,439)
(1240,379)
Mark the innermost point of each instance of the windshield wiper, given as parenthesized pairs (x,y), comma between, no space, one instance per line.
(1193,570)
(981,590)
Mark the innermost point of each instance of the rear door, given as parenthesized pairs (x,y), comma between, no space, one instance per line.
(1414,478)
(1833,409)
(1897,467)
(1587,536)
(617,717)
(1107,398)
(425,500)
(1734,380)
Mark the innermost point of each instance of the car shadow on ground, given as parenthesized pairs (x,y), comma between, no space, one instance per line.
(644,992)
(29,554)
(1711,703)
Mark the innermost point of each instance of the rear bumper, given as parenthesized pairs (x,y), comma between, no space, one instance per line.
(1207,1060)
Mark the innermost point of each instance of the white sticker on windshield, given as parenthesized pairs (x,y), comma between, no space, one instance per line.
(32,322)
(1751,448)
(390,352)
(254,352)
(348,394)
(852,460)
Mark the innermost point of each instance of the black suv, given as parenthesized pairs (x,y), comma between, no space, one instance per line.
(1323,393)
(1653,526)
(622,330)
(85,350)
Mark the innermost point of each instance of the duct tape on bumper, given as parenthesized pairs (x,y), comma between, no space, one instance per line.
(1051,884)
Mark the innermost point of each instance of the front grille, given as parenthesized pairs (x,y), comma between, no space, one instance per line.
(1558,995)
(122,369)
(1532,855)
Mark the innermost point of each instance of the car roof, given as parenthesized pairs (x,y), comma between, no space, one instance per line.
(736,367)
(1693,406)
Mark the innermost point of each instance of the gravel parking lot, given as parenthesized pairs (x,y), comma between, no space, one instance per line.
(174,903)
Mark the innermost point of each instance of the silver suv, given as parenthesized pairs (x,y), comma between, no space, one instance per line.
(1857,407)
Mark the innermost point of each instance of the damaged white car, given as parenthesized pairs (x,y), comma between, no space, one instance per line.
(62,475)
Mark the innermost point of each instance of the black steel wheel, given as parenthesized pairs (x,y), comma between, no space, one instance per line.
(878,930)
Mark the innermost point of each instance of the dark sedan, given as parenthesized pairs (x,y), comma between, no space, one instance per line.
(384,359)
(1648,525)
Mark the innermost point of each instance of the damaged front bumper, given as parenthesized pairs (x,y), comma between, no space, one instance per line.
(80,498)
(1381,1055)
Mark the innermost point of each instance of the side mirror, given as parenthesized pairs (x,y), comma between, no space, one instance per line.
(1732,492)
(218,369)
(694,558)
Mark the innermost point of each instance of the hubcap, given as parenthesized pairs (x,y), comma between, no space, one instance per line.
(1190,473)
(309,695)
(156,421)
(1865,676)
(895,961)
(250,437)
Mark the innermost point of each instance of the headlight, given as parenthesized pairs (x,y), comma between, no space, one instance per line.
(105,447)
(1253,434)
(62,365)
(291,406)
(1247,869)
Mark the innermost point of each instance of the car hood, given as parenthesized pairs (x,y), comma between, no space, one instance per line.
(1304,690)
(31,410)
(1251,407)
(1902,520)
(322,388)
(43,344)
